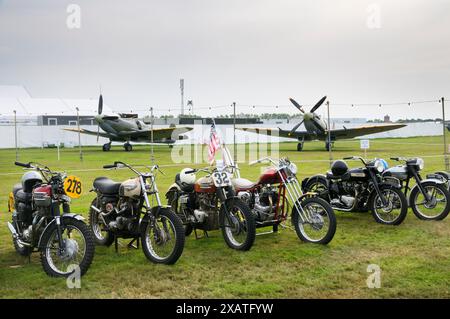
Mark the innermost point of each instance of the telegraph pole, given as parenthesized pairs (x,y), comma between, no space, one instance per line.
(152,158)
(234,134)
(182,95)
(447,166)
(329,134)
(15,134)
(79,133)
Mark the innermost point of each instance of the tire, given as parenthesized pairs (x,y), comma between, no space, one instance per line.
(318,186)
(250,227)
(178,230)
(299,147)
(51,234)
(403,202)
(415,193)
(128,147)
(102,240)
(172,200)
(106,147)
(325,208)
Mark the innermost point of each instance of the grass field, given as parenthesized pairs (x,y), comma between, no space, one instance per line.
(414,257)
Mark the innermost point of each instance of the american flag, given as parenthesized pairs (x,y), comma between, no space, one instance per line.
(214,143)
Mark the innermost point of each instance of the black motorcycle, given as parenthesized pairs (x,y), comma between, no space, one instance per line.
(63,240)
(429,198)
(117,210)
(361,189)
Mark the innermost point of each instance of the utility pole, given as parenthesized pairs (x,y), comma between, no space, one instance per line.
(79,133)
(15,134)
(447,166)
(234,134)
(152,158)
(182,95)
(329,134)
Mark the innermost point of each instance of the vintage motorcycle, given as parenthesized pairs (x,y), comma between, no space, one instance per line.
(116,213)
(210,203)
(361,189)
(64,240)
(429,198)
(275,191)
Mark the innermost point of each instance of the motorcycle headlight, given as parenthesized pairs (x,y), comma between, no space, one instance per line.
(421,163)
(379,166)
(293,168)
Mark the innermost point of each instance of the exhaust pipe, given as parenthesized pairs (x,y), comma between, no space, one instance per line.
(16,235)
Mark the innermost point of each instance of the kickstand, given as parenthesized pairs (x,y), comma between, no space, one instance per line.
(205,234)
(116,245)
(131,243)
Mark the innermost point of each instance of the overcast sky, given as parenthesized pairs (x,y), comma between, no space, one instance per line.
(254,52)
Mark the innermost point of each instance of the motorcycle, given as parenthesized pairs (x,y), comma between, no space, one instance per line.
(361,189)
(63,240)
(117,209)
(209,203)
(271,196)
(429,198)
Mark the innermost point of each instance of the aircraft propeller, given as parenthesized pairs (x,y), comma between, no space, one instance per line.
(298,106)
(100,110)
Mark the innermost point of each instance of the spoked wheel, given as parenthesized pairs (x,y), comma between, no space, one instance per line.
(396,209)
(238,225)
(320,225)
(78,249)
(102,236)
(163,239)
(438,205)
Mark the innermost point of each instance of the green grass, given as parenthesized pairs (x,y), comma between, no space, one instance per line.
(414,257)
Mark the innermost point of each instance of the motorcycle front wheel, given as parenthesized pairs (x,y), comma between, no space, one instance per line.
(78,250)
(237,224)
(163,239)
(438,205)
(396,209)
(320,226)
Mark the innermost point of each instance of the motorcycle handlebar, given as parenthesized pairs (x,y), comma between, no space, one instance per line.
(109,166)
(26,165)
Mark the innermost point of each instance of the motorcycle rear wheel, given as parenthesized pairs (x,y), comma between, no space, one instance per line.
(101,237)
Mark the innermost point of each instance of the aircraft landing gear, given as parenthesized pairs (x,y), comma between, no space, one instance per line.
(106,147)
(128,147)
(300,146)
(328,145)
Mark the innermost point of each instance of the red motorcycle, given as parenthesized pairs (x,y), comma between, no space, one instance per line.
(273,195)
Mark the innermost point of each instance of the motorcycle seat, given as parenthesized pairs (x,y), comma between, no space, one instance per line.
(241,184)
(106,185)
(23,197)
(16,188)
(344,176)
(187,188)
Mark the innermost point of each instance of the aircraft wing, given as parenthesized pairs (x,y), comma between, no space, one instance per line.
(158,133)
(83,131)
(364,130)
(277,132)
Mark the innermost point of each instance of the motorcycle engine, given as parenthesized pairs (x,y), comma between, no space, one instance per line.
(120,216)
(206,215)
(264,204)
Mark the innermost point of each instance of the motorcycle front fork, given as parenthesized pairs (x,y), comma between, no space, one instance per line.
(56,213)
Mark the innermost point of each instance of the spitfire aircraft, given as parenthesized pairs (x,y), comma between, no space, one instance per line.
(118,129)
(316,129)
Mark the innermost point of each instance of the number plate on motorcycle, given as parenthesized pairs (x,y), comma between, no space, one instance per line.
(221,179)
(73,187)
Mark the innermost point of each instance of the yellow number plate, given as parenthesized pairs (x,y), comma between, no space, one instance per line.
(73,187)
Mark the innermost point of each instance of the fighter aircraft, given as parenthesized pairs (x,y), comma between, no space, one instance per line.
(118,129)
(316,129)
